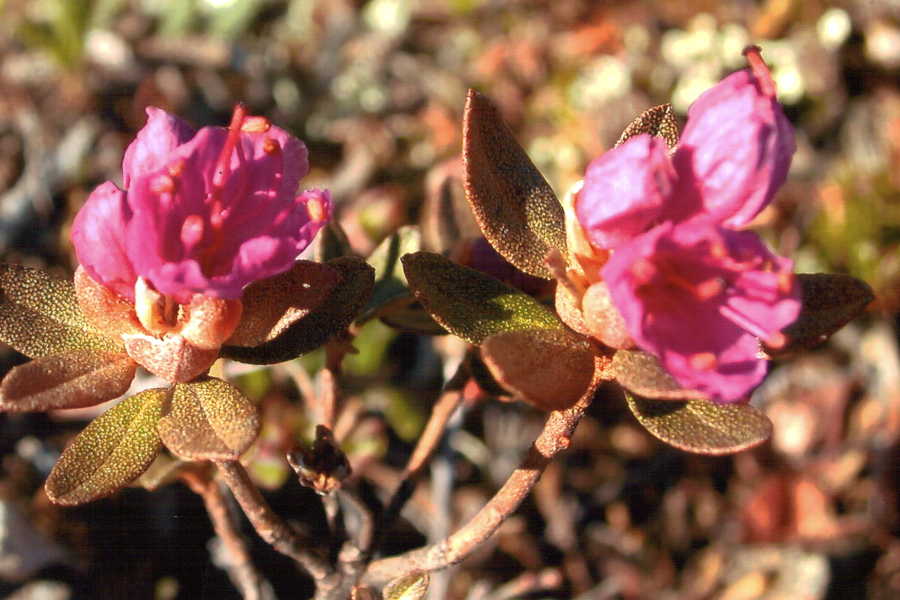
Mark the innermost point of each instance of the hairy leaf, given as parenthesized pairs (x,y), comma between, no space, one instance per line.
(72,380)
(272,305)
(413,586)
(111,452)
(39,315)
(641,373)
(513,203)
(210,420)
(548,368)
(829,302)
(701,427)
(322,323)
(470,304)
(658,121)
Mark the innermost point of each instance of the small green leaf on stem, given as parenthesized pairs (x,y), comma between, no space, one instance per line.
(701,427)
(111,452)
(409,587)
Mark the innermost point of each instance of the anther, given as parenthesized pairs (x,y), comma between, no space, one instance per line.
(271,146)
(162,184)
(192,231)
(255,125)
(703,361)
(316,210)
(176,168)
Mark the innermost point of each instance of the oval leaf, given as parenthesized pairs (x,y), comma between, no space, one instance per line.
(210,420)
(408,587)
(111,452)
(513,203)
(701,427)
(272,305)
(39,315)
(548,368)
(830,301)
(641,373)
(470,304)
(658,121)
(73,380)
(326,320)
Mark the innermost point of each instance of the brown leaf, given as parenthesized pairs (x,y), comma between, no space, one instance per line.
(103,308)
(72,380)
(700,426)
(830,301)
(470,304)
(172,359)
(274,304)
(658,121)
(331,316)
(513,203)
(548,368)
(39,315)
(641,373)
(210,419)
(111,452)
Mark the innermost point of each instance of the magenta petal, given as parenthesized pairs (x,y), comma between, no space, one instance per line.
(699,296)
(625,191)
(98,234)
(162,134)
(735,151)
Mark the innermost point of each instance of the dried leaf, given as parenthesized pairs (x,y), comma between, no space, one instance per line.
(830,301)
(658,121)
(72,380)
(641,373)
(470,304)
(408,587)
(326,320)
(210,420)
(513,203)
(39,315)
(548,368)
(111,452)
(700,426)
(274,304)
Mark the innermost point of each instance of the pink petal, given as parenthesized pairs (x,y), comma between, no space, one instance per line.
(162,134)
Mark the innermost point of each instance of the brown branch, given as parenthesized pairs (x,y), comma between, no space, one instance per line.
(243,573)
(270,527)
(554,438)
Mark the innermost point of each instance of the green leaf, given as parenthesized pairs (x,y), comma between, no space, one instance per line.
(39,315)
(390,282)
(413,586)
(72,380)
(470,304)
(210,419)
(334,314)
(111,452)
(700,426)
(658,121)
(641,373)
(548,368)
(515,206)
(829,301)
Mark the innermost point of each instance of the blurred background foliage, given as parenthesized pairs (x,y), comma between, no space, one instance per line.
(376,90)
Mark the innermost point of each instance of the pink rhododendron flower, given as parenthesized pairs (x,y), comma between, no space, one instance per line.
(204,212)
(691,290)
(700,297)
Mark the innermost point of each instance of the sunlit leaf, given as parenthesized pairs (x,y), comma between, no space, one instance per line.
(272,305)
(470,304)
(111,452)
(641,373)
(390,282)
(548,368)
(658,121)
(39,315)
(515,206)
(413,586)
(326,320)
(700,426)
(829,301)
(72,380)
(210,419)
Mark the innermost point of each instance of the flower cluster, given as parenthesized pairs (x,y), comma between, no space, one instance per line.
(690,287)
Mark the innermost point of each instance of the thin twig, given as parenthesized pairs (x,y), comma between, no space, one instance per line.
(270,527)
(240,567)
(554,438)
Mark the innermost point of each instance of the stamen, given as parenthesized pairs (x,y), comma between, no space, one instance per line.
(760,69)
(223,165)
(271,146)
(316,210)
(703,361)
(745,323)
(255,125)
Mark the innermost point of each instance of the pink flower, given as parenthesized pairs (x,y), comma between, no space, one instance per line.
(205,212)
(700,297)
